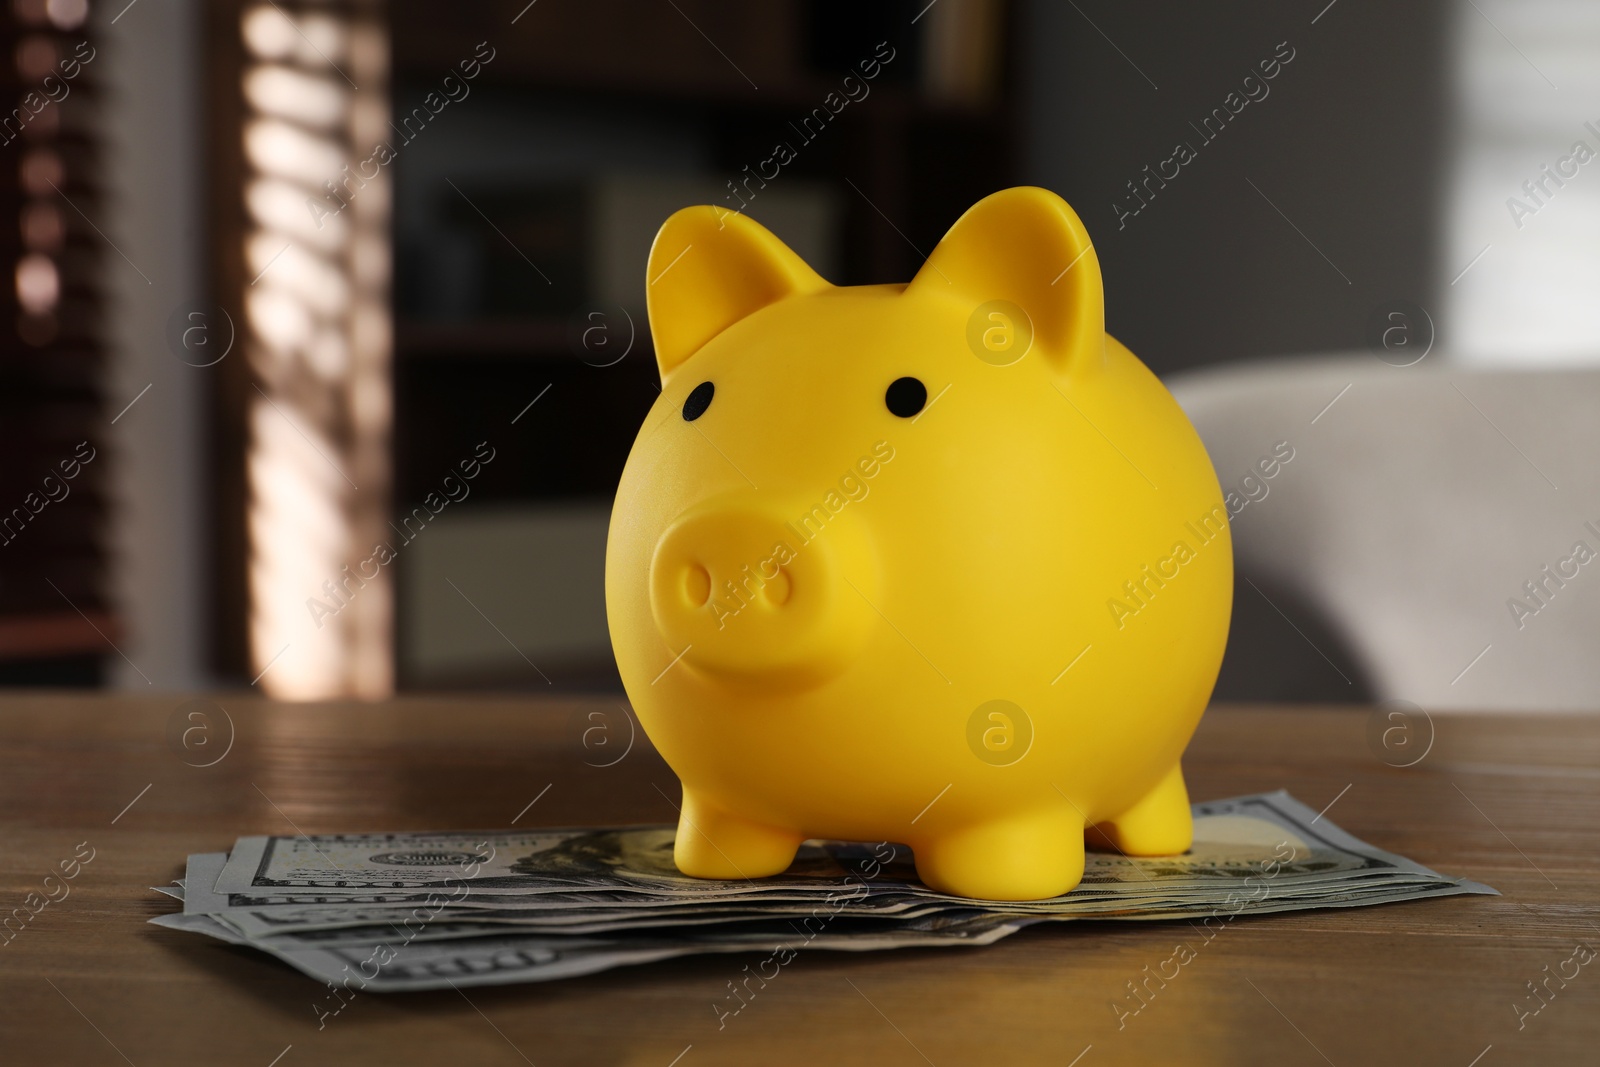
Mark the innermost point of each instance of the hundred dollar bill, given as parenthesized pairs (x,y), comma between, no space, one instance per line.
(1234,839)
(394,959)
(503,861)
(552,907)
(264,921)
(261,921)
(529,905)
(393,966)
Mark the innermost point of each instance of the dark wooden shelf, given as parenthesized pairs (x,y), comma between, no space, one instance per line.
(888,103)
(509,338)
(51,634)
(653,53)
(541,338)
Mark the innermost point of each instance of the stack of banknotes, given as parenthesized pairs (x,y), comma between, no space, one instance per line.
(404,911)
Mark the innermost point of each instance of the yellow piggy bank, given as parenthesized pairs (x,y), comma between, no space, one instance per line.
(939,563)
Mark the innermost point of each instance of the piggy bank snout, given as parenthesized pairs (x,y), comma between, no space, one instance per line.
(740,592)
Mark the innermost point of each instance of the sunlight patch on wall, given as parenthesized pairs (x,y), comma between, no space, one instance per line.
(316,310)
(1521,264)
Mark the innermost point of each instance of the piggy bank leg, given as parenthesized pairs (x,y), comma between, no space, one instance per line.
(1160,824)
(712,843)
(1026,856)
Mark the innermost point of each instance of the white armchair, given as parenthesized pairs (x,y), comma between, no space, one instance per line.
(1435,537)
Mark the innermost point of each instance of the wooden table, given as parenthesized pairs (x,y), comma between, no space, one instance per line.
(1513,801)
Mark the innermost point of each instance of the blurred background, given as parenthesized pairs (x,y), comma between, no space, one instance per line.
(326,343)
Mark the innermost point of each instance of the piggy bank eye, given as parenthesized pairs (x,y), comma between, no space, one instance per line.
(905,397)
(698,400)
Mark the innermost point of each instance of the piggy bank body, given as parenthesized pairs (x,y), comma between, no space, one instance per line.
(939,563)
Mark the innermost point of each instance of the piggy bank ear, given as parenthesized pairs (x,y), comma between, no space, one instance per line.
(708,269)
(1027,247)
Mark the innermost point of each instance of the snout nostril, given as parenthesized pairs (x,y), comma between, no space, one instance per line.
(778,589)
(697,585)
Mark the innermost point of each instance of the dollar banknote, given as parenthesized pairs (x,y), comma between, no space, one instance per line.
(430,909)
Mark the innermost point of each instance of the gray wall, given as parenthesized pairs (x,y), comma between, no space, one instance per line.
(1348,144)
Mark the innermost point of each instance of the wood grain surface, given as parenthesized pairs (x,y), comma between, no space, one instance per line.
(1510,800)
